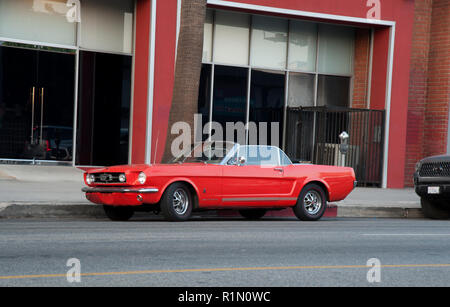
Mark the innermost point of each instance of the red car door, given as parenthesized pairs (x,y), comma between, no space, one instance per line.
(258,182)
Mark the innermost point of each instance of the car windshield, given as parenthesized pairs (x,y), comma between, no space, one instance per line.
(206,152)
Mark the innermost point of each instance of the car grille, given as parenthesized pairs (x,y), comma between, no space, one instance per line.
(107,178)
(435,169)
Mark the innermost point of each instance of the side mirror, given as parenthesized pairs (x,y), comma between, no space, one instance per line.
(241,160)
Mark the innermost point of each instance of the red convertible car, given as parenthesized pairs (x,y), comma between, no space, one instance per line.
(219,175)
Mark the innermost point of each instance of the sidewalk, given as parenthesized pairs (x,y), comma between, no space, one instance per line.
(55,191)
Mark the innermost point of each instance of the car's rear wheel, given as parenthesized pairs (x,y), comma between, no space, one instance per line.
(434,209)
(119,214)
(311,203)
(253,214)
(177,202)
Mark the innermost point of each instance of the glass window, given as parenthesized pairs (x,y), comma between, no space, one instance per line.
(103,109)
(336,48)
(284,159)
(301,90)
(267,104)
(37,20)
(260,155)
(333,91)
(302,45)
(231,38)
(107,25)
(269,42)
(230,97)
(204,94)
(208,36)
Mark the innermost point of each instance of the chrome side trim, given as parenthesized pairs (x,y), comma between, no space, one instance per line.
(119,190)
(258,199)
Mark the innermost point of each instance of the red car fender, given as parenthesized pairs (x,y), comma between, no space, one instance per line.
(178,179)
(309,180)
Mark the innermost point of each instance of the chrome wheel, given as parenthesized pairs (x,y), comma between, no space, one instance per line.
(180,201)
(312,202)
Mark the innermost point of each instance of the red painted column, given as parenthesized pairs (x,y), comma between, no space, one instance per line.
(141,69)
(166,28)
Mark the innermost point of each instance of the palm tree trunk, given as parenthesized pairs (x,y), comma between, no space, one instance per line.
(187,69)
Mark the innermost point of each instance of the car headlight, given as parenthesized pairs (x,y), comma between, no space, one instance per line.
(90,178)
(142,177)
(122,178)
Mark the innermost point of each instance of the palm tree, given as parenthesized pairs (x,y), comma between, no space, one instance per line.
(187,68)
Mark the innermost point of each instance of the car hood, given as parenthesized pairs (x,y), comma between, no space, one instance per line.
(440,158)
(141,167)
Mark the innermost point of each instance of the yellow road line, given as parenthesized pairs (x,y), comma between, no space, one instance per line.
(231,270)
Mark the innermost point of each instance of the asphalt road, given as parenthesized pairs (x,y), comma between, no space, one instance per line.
(233,252)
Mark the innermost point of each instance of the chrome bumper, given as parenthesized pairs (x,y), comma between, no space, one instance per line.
(119,190)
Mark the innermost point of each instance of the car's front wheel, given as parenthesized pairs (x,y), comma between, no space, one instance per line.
(177,203)
(434,209)
(253,214)
(118,214)
(311,204)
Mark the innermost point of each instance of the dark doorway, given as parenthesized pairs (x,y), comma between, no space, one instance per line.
(36,103)
(103,109)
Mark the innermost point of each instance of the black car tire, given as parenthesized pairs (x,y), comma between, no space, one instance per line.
(253,214)
(303,211)
(118,214)
(171,202)
(434,209)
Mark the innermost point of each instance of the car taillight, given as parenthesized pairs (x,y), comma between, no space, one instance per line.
(47,145)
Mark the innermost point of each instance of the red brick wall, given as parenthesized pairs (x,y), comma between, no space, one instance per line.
(438,94)
(418,86)
(361,68)
(429,91)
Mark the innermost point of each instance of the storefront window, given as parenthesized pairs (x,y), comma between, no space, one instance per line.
(266,103)
(302,45)
(103,109)
(269,42)
(230,96)
(204,95)
(316,58)
(336,45)
(38,21)
(333,91)
(107,25)
(301,90)
(208,36)
(232,30)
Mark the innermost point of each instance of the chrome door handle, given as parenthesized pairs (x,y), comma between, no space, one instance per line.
(278,169)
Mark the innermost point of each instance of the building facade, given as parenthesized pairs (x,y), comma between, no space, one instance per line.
(90,82)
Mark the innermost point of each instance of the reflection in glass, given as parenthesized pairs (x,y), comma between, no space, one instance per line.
(107,25)
(302,45)
(269,42)
(336,49)
(204,95)
(231,38)
(267,103)
(333,91)
(103,109)
(36,104)
(230,97)
(208,36)
(47,21)
(301,90)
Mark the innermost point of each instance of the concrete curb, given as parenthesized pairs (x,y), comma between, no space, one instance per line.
(85,210)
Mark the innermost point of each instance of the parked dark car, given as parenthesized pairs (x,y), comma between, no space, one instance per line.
(432,183)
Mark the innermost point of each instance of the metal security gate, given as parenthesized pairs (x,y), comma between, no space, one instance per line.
(312,135)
